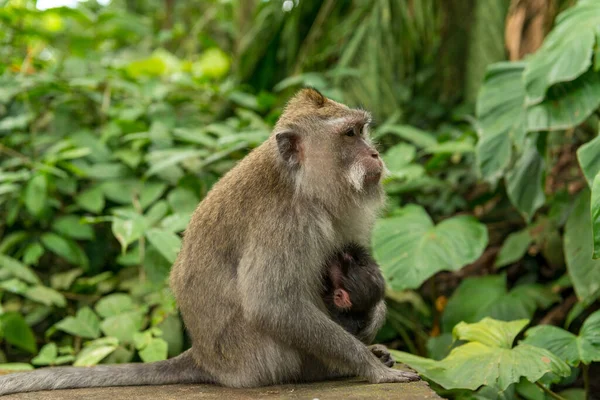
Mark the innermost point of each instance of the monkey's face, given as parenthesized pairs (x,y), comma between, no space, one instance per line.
(327,146)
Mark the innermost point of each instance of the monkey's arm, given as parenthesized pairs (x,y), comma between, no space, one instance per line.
(280,299)
(375,321)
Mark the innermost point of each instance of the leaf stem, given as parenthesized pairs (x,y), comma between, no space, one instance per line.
(586,380)
(550,392)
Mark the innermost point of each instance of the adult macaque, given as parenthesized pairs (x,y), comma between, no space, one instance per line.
(248,279)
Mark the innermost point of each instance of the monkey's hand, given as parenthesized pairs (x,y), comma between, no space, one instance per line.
(390,375)
(382,353)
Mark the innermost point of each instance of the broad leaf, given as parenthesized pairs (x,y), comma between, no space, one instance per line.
(114,304)
(167,243)
(490,332)
(488,361)
(589,159)
(91,200)
(524,182)
(16,332)
(566,52)
(595,215)
(410,248)
(47,355)
(71,226)
(399,156)
(155,350)
(85,324)
(514,248)
(123,326)
(579,248)
(46,295)
(18,269)
(129,230)
(36,194)
(566,105)
(66,248)
(95,351)
(573,349)
(501,118)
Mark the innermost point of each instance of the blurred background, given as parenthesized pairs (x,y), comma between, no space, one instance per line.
(117,116)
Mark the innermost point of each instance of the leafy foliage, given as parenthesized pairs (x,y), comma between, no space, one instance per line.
(115,121)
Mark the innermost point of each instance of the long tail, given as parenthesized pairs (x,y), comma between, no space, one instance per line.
(180,369)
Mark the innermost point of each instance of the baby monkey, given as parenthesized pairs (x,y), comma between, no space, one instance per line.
(353,288)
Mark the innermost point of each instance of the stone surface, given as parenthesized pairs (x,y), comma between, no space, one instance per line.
(342,389)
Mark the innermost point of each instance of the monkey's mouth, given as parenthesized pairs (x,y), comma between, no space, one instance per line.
(373,177)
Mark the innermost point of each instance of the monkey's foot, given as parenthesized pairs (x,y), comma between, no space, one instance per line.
(389,375)
(382,353)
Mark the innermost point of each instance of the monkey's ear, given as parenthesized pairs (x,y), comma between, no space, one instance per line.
(290,147)
(313,96)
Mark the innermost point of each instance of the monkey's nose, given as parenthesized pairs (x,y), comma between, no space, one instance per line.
(375,154)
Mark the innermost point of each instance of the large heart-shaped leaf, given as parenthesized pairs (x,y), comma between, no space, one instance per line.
(579,248)
(410,248)
(566,104)
(589,159)
(501,118)
(479,297)
(524,182)
(569,347)
(566,52)
(487,359)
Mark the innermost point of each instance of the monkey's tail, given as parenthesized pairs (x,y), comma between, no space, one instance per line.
(180,369)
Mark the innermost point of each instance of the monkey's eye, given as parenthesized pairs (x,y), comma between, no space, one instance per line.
(349,132)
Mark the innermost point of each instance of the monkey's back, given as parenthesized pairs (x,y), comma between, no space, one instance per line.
(204,276)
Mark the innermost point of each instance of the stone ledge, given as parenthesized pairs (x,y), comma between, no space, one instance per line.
(342,389)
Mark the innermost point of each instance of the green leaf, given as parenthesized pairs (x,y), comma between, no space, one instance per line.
(64,280)
(490,332)
(524,182)
(14,286)
(156,266)
(410,248)
(183,200)
(472,296)
(17,332)
(151,191)
(128,231)
(36,194)
(566,52)
(123,326)
(95,351)
(155,350)
(71,226)
(589,159)
(167,243)
(45,295)
(32,253)
(114,304)
(595,215)
(176,222)
(501,118)
(85,324)
(91,200)
(579,248)
(566,105)
(47,355)
(174,158)
(18,269)
(514,248)
(489,362)
(65,248)
(573,349)
(16,367)
(414,135)
(399,156)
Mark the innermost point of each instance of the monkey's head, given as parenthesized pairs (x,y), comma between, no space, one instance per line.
(326,148)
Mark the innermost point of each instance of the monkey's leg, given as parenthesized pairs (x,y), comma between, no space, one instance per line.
(180,369)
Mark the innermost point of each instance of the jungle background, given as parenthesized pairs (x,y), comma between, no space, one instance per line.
(116,119)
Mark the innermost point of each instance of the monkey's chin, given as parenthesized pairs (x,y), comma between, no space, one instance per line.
(373,178)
